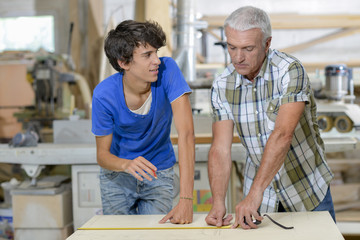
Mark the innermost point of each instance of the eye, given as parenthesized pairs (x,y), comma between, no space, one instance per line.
(249,49)
(147,55)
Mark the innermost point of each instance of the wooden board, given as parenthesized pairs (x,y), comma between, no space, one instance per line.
(307,225)
(297,21)
(202,138)
(15,90)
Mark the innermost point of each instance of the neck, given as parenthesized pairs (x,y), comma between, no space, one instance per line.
(135,87)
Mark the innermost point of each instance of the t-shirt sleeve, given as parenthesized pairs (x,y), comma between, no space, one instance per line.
(295,84)
(101,117)
(175,83)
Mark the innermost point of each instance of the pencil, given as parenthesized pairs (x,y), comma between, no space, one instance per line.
(154,174)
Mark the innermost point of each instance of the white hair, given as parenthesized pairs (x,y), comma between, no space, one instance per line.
(249,17)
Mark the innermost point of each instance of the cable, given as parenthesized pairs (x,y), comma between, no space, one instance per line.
(275,222)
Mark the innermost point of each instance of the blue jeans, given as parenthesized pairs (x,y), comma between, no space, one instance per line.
(325,205)
(123,194)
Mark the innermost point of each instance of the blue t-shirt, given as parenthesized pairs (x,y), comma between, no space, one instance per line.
(137,135)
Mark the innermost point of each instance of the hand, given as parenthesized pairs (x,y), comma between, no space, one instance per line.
(140,167)
(216,216)
(247,210)
(181,214)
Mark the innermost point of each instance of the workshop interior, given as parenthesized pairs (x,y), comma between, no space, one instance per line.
(52,57)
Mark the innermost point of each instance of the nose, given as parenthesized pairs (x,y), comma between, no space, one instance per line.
(156,59)
(239,55)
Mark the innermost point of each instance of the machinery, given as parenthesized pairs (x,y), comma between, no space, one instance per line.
(336,110)
(53,79)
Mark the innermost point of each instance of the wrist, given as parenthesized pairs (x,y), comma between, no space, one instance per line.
(186,198)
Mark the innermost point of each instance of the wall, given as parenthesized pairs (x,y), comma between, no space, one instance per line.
(343,49)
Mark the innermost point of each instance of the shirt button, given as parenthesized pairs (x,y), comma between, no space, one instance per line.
(277,190)
(254,89)
(271,108)
(259,134)
(256,112)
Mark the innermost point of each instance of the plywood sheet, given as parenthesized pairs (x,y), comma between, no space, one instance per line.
(307,225)
(15,90)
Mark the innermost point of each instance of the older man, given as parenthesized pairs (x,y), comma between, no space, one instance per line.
(266,95)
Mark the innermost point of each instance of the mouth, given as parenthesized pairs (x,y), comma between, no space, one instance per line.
(240,65)
(154,70)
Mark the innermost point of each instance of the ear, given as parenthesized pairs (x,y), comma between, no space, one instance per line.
(267,44)
(123,64)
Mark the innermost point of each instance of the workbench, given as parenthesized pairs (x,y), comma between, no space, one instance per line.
(83,155)
(307,225)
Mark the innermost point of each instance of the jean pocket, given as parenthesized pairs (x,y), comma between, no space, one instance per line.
(108,174)
(166,173)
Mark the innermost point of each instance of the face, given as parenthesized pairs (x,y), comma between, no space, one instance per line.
(145,64)
(246,50)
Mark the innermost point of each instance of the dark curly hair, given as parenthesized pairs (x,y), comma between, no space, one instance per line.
(129,34)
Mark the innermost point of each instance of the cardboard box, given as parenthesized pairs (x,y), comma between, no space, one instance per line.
(15,90)
(9,126)
(43,233)
(42,211)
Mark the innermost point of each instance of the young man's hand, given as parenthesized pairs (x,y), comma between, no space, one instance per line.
(181,214)
(140,167)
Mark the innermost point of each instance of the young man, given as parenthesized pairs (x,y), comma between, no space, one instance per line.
(131,117)
(266,94)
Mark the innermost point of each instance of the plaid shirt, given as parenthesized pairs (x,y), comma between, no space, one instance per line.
(302,181)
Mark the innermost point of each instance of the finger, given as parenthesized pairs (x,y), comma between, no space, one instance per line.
(151,171)
(164,219)
(219,222)
(210,220)
(132,172)
(141,172)
(258,216)
(227,220)
(174,220)
(242,223)
(250,222)
(147,164)
(235,224)
(137,176)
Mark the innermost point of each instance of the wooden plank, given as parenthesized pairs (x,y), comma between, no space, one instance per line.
(202,138)
(348,216)
(312,66)
(349,192)
(297,21)
(347,206)
(157,10)
(15,90)
(307,225)
(338,34)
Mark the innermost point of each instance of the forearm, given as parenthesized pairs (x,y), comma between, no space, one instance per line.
(186,151)
(219,168)
(109,161)
(273,158)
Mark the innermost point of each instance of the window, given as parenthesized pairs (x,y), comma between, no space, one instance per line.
(27,33)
